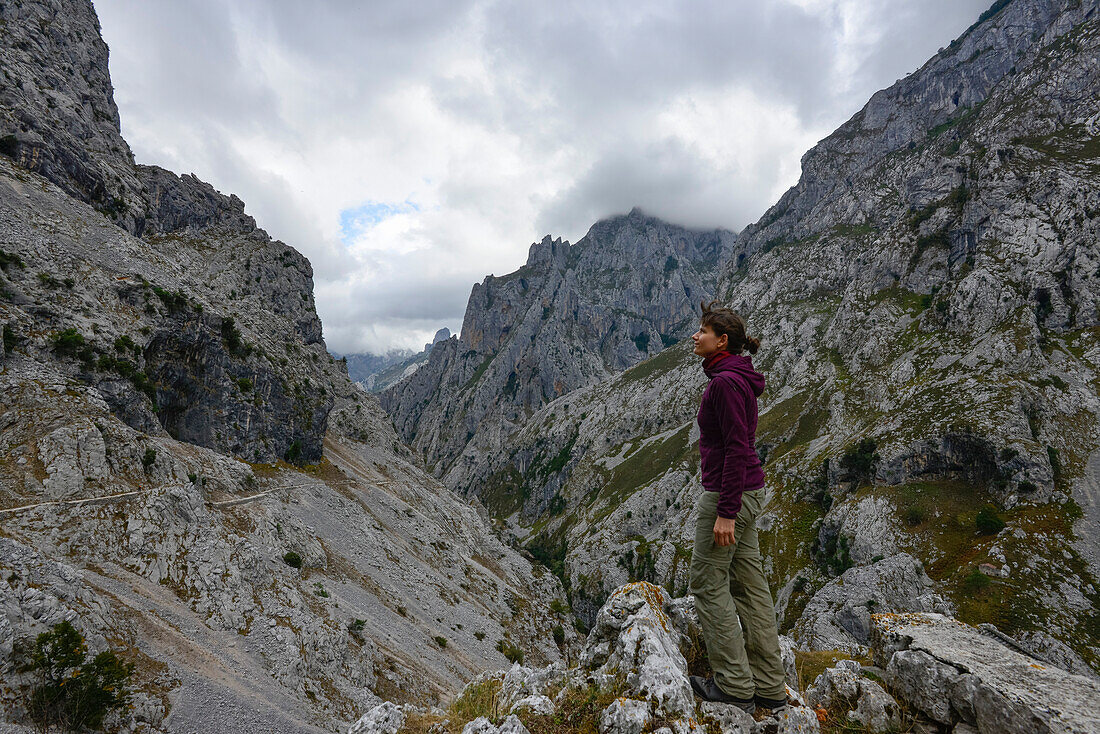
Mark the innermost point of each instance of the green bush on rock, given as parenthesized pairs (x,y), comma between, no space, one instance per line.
(75,693)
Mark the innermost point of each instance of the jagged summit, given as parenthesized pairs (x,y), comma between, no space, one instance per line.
(573,314)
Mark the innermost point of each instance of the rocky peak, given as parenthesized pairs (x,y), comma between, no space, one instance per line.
(571,315)
(548,253)
(57,110)
(947,90)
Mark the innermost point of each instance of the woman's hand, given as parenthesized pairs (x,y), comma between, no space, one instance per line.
(723,531)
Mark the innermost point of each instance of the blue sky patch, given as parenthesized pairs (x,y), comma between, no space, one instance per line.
(356,221)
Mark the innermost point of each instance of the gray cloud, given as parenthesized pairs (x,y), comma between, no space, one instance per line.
(500,120)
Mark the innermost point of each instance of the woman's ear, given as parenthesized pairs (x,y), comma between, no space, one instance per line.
(723,342)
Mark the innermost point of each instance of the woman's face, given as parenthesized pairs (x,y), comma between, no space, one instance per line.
(707,342)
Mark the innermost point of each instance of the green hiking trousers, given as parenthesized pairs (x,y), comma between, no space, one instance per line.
(729,585)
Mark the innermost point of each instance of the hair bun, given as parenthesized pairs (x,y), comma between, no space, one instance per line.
(752,344)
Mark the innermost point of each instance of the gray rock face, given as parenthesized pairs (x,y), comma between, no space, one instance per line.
(571,315)
(952,673)
(57,110)
(839,616)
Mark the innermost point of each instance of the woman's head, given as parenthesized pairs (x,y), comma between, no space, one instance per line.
(722,328)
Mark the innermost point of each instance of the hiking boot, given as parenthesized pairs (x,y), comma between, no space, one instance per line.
(708,690)
(775,704)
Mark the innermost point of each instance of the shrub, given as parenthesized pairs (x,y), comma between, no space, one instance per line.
(10,339)
(68,342)
(559,635)
(511,651)
(440,640)
(293,453)
(231,337)
(9,145)
(7,259)
(149,458)
(479,635)
(75,693)
(244,384)
(975,581)
(915,515)
(292,559)
(859,463)
(988,521)
(355,626)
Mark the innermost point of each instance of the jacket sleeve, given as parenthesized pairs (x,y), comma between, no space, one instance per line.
(730,406)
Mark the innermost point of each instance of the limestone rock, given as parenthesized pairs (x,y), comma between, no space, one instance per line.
(624,716)
(838,617)
(386,718)
(634,639)
(844,686)
(953,673)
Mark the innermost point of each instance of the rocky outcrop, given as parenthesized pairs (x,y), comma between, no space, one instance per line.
(57,110)
(631,677)
(839,616)
(571,315)
(952,673)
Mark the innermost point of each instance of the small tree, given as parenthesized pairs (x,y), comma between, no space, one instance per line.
(75,693)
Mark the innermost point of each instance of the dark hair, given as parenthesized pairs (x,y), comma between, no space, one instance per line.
(726,321)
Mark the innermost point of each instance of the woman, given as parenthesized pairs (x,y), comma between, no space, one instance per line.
(727,577)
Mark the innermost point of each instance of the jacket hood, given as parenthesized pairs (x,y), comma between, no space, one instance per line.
(741,365)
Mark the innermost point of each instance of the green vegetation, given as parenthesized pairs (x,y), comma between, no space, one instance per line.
(510,650)
(8,259)
(10,339)
(859,463)
(244,384)
(644,463)
(671,264)
(292,559)
(68,342)
(231,338)
(356,626)
(75,694)
(174,301)
(9,145)
(293,454)
(440,640)
(642,342)
(149,458)
(988,522)
(975,581)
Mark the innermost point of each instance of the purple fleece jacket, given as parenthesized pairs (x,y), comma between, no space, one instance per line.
(727,432)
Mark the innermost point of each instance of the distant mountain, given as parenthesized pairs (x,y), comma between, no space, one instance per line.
(376,372)
(571,316)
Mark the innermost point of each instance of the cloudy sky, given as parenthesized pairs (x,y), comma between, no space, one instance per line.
(411,148)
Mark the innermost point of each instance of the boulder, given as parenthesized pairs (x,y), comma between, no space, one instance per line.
(838,617)
(845,686)
(385,718)
(952,673)
(634,640)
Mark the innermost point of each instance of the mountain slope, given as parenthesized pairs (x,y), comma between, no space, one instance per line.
(185,473)
(927,300)
(572,315)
